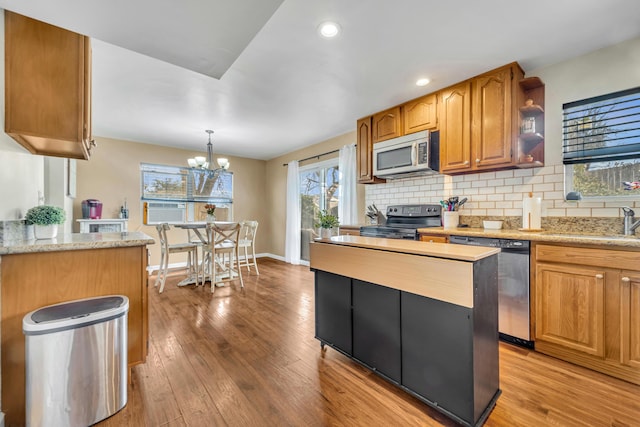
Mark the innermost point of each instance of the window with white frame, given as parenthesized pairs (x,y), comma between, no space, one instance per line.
(178,194)
(319,190)
(601,145)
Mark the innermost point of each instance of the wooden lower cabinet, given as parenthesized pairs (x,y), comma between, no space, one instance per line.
(33,280)
(630,318)
(434,238)
(348,230)
(570,307)
(587,307)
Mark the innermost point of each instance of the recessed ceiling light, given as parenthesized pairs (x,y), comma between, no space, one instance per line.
(422,82)
(329,29)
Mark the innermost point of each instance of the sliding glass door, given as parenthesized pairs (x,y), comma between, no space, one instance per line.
(319,190)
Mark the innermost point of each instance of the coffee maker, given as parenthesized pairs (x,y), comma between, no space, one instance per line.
(91,209)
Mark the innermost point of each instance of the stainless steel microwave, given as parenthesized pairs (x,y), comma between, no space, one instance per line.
(416,154)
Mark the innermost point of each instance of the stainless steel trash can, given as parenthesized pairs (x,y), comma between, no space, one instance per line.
(76,361)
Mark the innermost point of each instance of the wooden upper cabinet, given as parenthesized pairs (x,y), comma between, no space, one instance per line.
(479,122)
(455,128)
(47,88)
(478,119)
(364,148)
(387,124)
(495,116)
(420,114)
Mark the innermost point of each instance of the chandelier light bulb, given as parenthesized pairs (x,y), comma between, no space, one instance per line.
(206,163)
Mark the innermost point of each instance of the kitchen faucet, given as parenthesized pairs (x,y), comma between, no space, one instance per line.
(629,224)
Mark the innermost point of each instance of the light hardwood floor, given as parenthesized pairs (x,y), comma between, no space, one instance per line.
(249,358)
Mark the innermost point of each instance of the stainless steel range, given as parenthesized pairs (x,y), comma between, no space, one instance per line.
(403,221)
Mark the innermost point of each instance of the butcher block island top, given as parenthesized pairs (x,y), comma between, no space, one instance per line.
(435,270)
(37,273)
(414,247)
(422,315)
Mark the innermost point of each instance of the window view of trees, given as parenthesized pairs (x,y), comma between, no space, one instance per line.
(601,145)
(192,188)
(319,190)
(606,178)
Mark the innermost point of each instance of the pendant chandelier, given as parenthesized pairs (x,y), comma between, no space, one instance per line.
(206,164)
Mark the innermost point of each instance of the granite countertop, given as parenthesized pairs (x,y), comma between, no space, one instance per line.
(414,247)
(617,240)
(76,241)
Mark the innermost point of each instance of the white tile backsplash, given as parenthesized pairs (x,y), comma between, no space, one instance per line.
(494,193)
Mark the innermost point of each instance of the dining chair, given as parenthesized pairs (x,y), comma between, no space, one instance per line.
(191,249)
(221,258)
(248,230)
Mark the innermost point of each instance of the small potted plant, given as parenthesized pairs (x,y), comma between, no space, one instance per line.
(211,212)
(327,223)
(45,218)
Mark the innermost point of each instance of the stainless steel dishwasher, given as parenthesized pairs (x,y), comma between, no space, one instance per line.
(513,286)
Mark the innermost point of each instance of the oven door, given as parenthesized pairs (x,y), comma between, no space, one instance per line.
(388,232)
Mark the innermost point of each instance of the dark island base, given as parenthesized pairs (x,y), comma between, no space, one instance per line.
(444,354)
(483,417)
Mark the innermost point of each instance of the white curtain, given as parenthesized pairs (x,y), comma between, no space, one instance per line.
(348,206)
(292,240)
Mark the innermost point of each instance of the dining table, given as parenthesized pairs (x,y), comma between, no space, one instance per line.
(199,229)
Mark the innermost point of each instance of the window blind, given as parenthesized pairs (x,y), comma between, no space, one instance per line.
(603,128)
(179,184)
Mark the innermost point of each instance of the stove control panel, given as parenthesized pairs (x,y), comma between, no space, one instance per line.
(414,210)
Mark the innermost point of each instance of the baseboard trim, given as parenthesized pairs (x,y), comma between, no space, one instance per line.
(182,265)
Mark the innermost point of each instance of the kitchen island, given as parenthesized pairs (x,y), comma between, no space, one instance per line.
(424,316)
(36,273)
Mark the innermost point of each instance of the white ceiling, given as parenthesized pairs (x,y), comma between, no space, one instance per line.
(257,73)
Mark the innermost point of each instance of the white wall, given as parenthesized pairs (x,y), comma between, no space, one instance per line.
(501,193)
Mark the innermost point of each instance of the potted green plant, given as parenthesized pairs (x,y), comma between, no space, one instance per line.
(327,222)
(45,218)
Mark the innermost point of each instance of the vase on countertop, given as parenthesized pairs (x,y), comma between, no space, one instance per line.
(45,231)
(326,233)
(211,218)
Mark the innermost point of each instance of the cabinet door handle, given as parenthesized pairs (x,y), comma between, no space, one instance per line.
(477,160)
(466,162)
(599,276)
(625,279)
